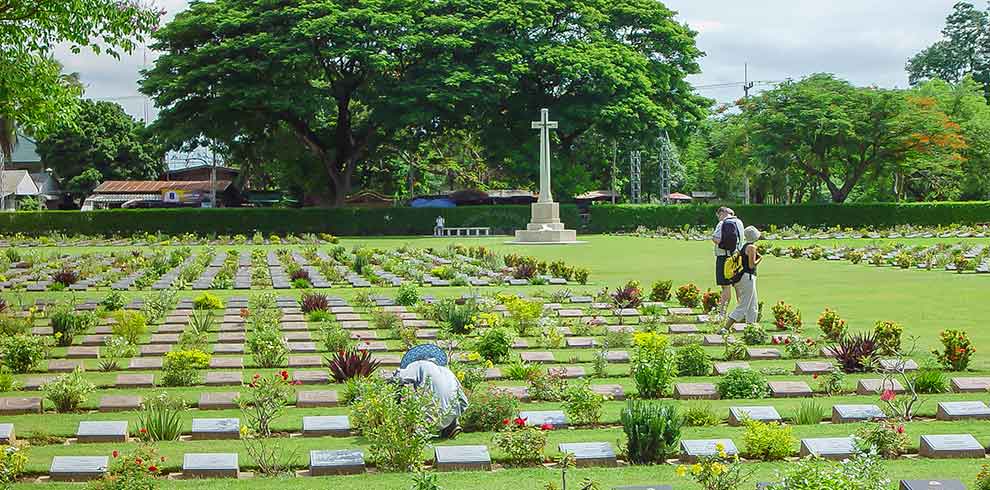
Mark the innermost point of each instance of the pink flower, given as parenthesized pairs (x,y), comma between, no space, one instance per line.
(887,395)
(546,427)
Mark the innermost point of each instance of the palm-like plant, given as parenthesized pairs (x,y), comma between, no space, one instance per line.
(857,353)
(349,364)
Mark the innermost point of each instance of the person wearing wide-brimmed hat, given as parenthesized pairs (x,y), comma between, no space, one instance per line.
(747,311)
(426,365)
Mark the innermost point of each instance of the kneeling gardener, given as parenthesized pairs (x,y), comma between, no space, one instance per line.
(426,365)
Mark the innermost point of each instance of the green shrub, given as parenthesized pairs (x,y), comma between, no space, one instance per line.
(181,367)
(265,401)
(407,295)
(487,408)
(930,379)
(832,326)
(582,405)
(335,337)
(518,370)
(456,317)
(160,418)
(14,325)
(67,323)
(956,350)
(735,350)
(693,361)
(888,438)
(768,441)
(495,345)
(7,381)
(888,335)
(113,301)
(267,347)
(548,386)
(22,353)
(654,365)
(207,301)
(809,412)
(859,473)
(660,292)
(653,431)
(13,459)
(130,325)
(522,443)
(689,296)
(68,391)
(115,349)
(701,415)
(755,335)
(397,421)
(742,383)
(137,470)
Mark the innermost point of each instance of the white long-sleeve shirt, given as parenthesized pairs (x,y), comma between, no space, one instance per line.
(717,235)
(442,382)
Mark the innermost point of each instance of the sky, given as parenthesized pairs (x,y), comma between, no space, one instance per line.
(866,42)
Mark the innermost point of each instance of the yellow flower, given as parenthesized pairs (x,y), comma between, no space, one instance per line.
(681,471)
(719,447)
(460,375)
(474,356)
(696,469)
(489,364)
(244,430)
(718,468)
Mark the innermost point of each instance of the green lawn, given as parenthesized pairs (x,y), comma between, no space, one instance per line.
(924,301)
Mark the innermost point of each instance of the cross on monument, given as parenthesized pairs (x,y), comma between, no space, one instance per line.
(545,125)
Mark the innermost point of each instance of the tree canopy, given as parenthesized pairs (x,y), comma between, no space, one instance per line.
(102,139)
(359,83)
(963,51)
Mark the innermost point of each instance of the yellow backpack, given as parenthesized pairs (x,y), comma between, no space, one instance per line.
(733,267)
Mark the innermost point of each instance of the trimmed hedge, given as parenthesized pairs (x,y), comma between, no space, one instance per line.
(230,221)
(628,217)
(502,219)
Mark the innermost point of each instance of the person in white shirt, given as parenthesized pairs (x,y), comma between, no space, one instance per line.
(446,389)
(728,239)
(438,229)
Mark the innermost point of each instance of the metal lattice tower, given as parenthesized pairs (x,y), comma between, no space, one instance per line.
(635,178)
(667,155)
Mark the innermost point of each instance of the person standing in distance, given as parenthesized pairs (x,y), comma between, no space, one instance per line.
(728,240)
(748,309)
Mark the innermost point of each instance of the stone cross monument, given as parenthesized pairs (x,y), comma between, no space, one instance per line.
(545,225)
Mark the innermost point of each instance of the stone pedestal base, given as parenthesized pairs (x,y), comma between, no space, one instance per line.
(545,226)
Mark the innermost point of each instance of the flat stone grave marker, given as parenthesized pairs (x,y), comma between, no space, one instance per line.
(18,406)
(875,386)
(572,372)
(171,328)
(951,446)
(680,311)
(164,338)
(895,365)
(316,399)
(305,361)
(462,458)
(789,389)
(7,434)
(681,329)
(35,383)
(296,336)
(721,368)
(372,346)
(203,429)
(762,414)
(64,365)
(326,425)
(617,356)
(94,340)
(226,363)
(970,385)
(492,374)
(218,401)
(581,299)
(155,350)
(614,392)
(210,465)
(590,453)
(564,313)
(231,338)
(580,342)
(306,347)
(102,431)
(295,327)
(762,354)
(119,403)
(82,352)
(363,324)
(223,378)
(695,391)
(144,363)
(339,462)
(692,449)
(556,418)
(520,393)
(848,414)
(228,348)
(836,448)
(77,468)
(427,333)
(311,377)
(931,485)
(388,360)
(962,410)
(348,317)
(538,357)
(713,340)
(812,367)
(135,381)
(644,487)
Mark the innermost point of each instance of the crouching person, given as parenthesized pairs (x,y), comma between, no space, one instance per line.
(426,365)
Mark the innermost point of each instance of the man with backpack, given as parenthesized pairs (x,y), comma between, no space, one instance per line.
(728,240)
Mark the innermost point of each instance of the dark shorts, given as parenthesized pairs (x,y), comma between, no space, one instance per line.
(720,278)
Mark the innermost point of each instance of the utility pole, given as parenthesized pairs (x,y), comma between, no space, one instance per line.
(635,182)
(747,86)
(615,166)
(213,180)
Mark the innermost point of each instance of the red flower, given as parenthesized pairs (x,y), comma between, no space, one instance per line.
(887,395)
(787,340)
(285,375)
(775,341)
(520,421)
(163,459)
(900,429)
(546,427)
(814,376)
(138,460)
(296,382)
(505,421)
(143,430)
(152,468)
(115,453)
(256,376)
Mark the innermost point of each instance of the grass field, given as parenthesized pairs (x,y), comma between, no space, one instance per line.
(924,301)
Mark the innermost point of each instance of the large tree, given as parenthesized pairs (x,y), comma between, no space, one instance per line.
(352,79)
(103,138)
(963,51)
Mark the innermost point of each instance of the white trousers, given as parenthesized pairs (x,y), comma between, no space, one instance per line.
(748,307)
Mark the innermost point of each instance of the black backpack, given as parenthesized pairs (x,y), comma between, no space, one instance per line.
(730,239)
